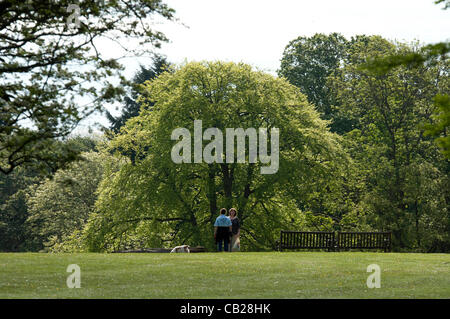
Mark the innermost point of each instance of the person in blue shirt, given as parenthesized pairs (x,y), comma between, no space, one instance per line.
(222,230)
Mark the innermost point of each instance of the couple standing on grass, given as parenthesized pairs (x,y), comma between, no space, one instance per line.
(226,227)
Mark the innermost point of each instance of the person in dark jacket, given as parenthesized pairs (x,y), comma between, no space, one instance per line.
(235,230)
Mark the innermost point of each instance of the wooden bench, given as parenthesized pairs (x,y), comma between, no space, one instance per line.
(328,240)
(364,240)
(306,240)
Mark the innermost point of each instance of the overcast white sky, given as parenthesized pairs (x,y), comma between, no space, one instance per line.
(257,31)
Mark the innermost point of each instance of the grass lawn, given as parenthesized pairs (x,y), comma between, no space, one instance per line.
(222,275)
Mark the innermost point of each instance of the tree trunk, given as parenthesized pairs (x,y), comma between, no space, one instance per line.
(227,173)
(212,196)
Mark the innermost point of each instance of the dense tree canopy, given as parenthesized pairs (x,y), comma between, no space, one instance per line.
(406,179)
(59,207)
(357,136)
(49,57)
(15,189)
(389,101)
(307,62)
(426,55)
(440,128)
(157,200)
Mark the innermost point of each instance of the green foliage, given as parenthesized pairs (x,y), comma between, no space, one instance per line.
(46,64)
(159,202)
(307,62)
(14,235)
(131,106)
(15,188)
(388,101)
(60,206)
(405,178)
(426,54)
(442,123)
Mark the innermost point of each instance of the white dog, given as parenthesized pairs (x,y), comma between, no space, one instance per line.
(181,249)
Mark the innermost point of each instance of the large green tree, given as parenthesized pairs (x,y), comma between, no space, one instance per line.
(158,202)
(50,54)
(405,176)
(426,55)
(307,62)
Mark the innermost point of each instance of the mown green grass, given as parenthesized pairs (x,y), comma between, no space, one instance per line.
(225,275)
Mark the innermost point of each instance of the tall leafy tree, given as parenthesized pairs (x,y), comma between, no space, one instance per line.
(426,55)
(395,159)
(50,54)
(162,202)
(307,62)
(14,187)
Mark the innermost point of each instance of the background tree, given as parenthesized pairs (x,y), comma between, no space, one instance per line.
(131,107)
(307,62)
(398,163)
(427,54)
(160,202)
(14,210)
(59,207)
(46,62)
